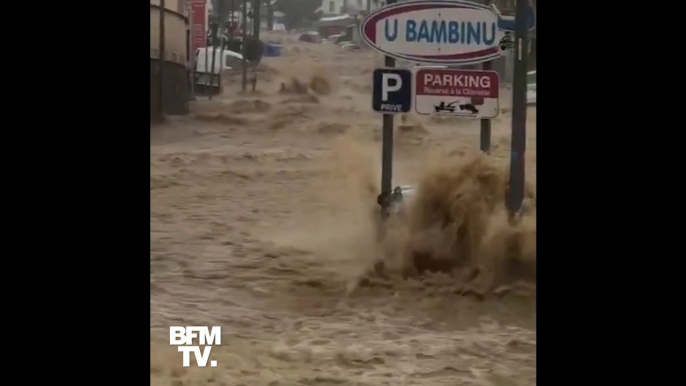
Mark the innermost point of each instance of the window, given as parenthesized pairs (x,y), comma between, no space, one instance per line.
(332,7)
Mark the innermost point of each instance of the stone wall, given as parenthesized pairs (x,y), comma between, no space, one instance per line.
(176,91)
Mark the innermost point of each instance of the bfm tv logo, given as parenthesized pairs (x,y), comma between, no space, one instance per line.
(183,337)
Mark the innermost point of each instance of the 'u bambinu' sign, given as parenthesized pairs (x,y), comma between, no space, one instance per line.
(446,32)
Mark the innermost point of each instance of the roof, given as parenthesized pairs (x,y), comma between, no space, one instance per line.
(342,20)
(335,18)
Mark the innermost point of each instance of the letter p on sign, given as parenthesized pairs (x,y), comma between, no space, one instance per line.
(386,85)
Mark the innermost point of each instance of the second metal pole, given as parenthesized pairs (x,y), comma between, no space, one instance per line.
(485,143)
(515,194)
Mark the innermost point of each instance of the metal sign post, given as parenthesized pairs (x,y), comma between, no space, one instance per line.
(515,194)
(387,147)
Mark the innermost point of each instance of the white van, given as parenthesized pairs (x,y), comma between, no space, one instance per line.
(223,60)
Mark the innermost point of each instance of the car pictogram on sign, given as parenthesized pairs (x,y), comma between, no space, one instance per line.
(450,107)
(469,107)
(445,107)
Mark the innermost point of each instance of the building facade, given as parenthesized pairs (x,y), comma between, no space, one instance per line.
(351,7)
(175,81)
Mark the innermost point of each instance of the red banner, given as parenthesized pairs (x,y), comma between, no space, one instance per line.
(198,20)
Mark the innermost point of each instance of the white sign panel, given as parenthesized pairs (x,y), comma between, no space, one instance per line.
(455,32)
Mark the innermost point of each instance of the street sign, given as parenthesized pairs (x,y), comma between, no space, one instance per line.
(392,92)
(464,93)
(452,32)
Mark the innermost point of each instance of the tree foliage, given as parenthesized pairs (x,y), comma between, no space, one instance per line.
(298,12)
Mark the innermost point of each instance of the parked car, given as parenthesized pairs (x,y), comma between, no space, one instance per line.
(311,37)
(272,49)
(223,60)
(348,46)
(333,38)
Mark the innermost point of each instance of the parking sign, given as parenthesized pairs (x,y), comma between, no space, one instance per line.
(392,92)
(464,93)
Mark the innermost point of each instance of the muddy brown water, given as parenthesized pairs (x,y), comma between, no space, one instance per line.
(261,228)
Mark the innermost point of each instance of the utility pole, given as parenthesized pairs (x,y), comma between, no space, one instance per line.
(191,51)
(232,21)
(214,53)
(255,54)
(244,39)
(257,21)
(162,56)
(515,194)
(221,23)
(270,15)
